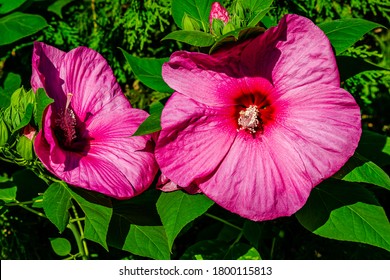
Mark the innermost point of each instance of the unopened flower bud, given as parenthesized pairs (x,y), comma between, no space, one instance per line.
(218,12)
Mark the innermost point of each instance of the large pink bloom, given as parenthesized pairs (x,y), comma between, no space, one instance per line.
(86,137)
(257,125)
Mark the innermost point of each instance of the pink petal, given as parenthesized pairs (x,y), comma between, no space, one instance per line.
(194,139)
(315,133)
(115,163)
(209,76)
(46,61)
(90,79)
(107,159)
(293,54)
(166,185)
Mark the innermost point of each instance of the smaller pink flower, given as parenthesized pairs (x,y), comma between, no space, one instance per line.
(218,12)
(86,136)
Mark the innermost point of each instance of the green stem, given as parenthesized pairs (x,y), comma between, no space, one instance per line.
(223,221)
(78,220)
(272,249)
(79,242)
(33,211)
(19,203)
(24,206)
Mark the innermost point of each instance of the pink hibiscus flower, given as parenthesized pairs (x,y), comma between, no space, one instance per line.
(86,136)
(218,12)
(257,125)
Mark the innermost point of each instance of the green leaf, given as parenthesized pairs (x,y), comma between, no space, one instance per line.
(148,241)
(7,194)
(148,71)
(178,208)
(11,83)
(98,211)
(197,9)
(19,25)
(343,33)
(4,131)
(140,210)
(345,211)
(194,38)
(7,6)
(24,147)
(41,103)
(251,254)
(256,5)
(189,23)
(19,113)
(258,17)
(57,6)
(26,117)
(257,10)
(375,147)
(351,66)
(96,207)
(61,246)
(56,203)
(360,170)
(153,122)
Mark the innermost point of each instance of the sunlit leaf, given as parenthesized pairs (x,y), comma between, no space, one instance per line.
(7,6)
(178,208)
(7,192)
(148,241)
(257,10)
(251,254)
(148,71)
(56,203)
(346,211)
(57,6)
(20,111)
(19,25)
(61,246)
(153,122)
(343,33)
(194,38)
(98,211)
(361,170)
(197,9)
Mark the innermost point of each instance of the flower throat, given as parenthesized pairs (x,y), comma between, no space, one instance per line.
(66,125)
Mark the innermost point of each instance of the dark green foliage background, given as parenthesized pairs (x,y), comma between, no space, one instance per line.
(138,27)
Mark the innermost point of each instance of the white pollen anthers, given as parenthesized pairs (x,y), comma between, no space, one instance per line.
(249,119)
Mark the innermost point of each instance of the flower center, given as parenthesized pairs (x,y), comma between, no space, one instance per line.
(66,125)
(249,119)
